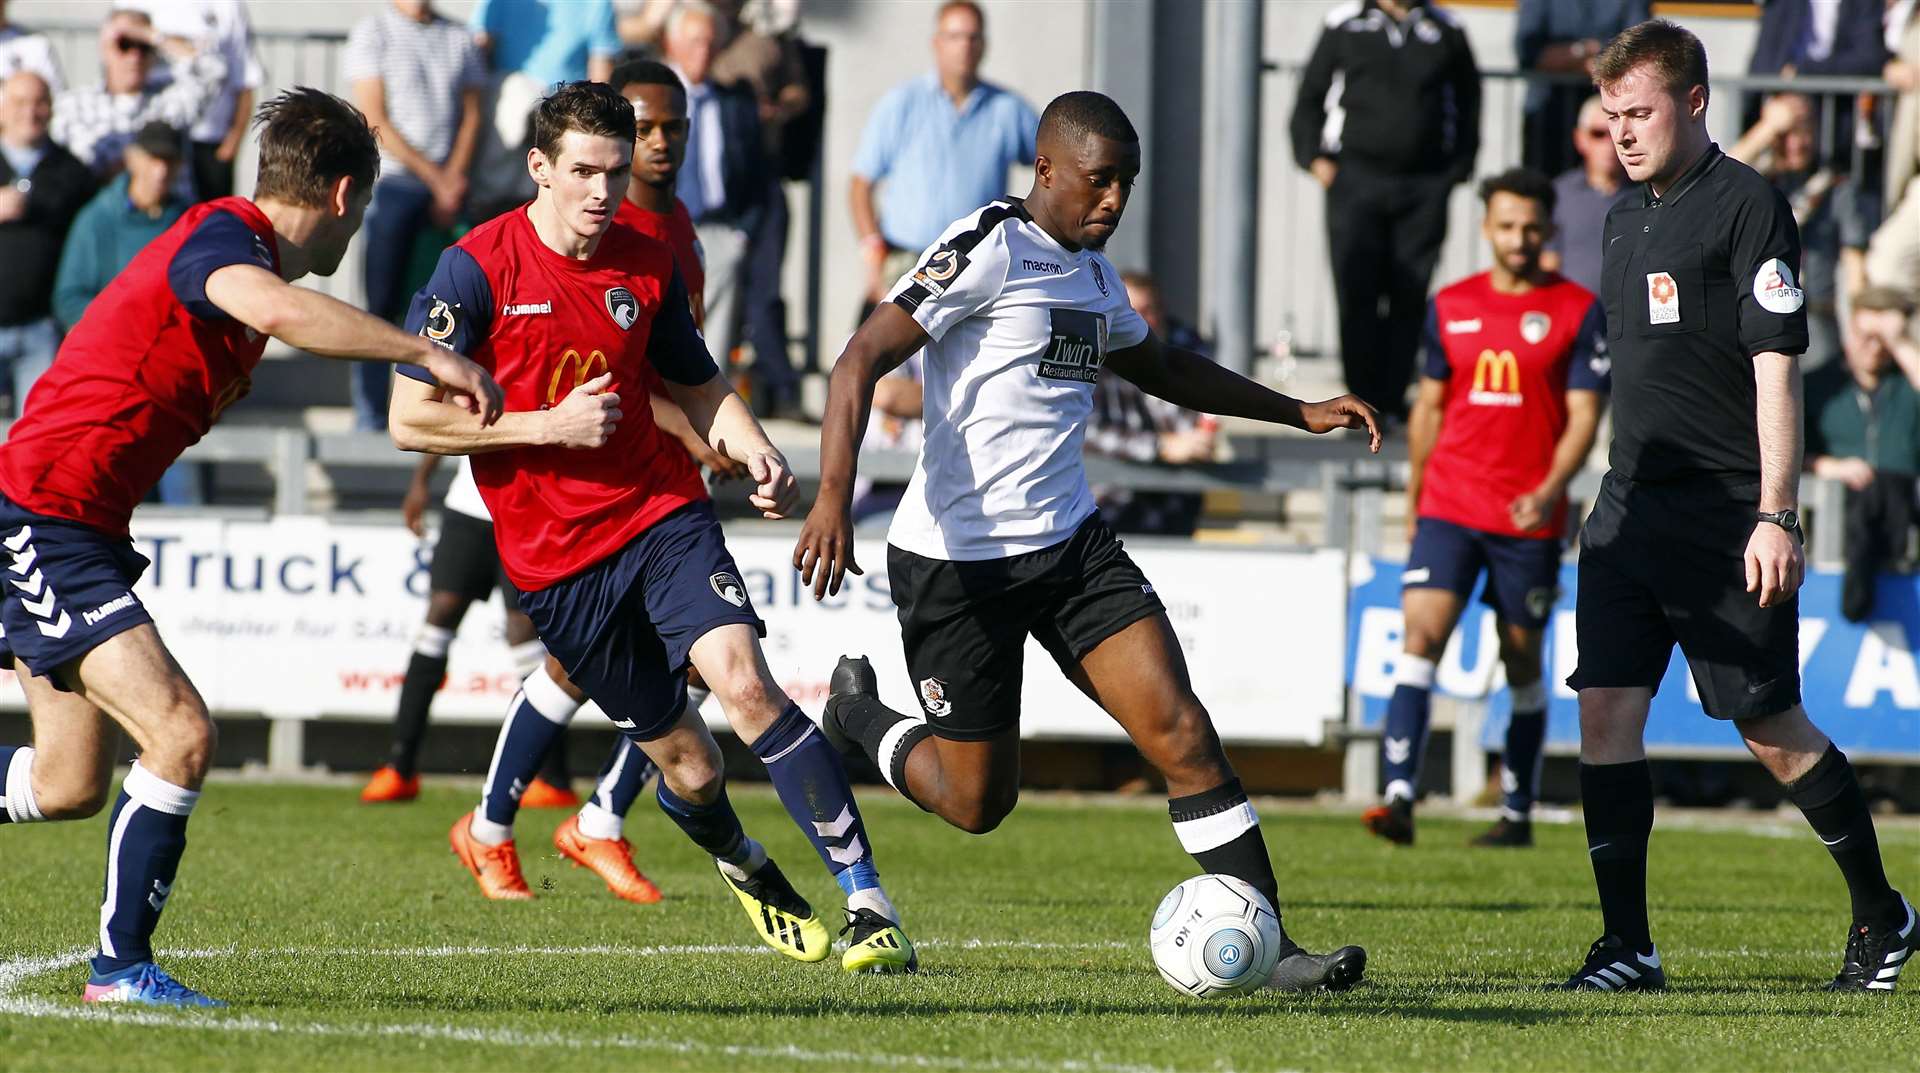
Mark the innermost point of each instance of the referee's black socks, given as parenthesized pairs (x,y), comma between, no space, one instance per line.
(1829,796)
(1618,802)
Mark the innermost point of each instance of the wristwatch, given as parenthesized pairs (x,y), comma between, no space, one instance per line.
(1785,519)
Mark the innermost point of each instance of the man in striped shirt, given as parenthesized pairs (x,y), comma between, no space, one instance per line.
(96,122)
(418,77)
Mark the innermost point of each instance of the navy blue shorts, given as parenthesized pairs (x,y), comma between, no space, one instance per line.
(1523,573)
(622,627)
(69,587)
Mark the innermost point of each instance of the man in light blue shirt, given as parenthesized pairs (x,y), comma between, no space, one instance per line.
(530,46)
(942,143)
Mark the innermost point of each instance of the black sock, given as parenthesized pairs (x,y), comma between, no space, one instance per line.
(873,725)
(1829,796)
(1618,802)
(554,768)
(424,675)
(1219,829)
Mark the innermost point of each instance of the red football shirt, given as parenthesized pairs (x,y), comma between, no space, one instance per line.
(1509,361)
(143,376)
(676,230)
(544,323)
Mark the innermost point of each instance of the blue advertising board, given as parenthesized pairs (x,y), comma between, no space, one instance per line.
(1860,682)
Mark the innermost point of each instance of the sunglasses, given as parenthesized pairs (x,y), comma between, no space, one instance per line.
(129,44)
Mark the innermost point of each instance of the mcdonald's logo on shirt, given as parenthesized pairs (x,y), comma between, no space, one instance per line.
(1496,380)
(583,369)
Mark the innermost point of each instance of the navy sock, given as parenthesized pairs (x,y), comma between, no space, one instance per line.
(713,827)
(1404,738)
(535,720)
(812,782)
(1526,738)
(147,833)
(622,777)
(1617,800)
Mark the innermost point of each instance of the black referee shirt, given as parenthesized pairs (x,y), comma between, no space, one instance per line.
(1695,284)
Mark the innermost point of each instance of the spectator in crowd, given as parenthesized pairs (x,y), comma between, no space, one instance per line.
(1835,215)
(1863,430)
(1820,37)
(221,26)
(724,181)
(1582,197)
(96,122)
(23,50)
(894,424)
(1387,119)
(941,143)
(530,45)
(419,78)
(1893,256)
(762,54)
(122,218)
(641,24)
(1562,37)
(42,187)
(1130,424)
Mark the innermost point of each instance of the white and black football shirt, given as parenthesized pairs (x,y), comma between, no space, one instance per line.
(1019,328)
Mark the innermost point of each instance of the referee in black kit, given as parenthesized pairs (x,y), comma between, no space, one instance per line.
(1693,538)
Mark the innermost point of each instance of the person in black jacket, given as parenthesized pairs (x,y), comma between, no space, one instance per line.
(1842,39)
(724,181)
(42,188)
(1388,120)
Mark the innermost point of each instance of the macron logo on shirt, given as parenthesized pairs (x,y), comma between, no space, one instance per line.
(527,309)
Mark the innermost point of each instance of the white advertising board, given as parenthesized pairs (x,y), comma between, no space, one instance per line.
(306,617)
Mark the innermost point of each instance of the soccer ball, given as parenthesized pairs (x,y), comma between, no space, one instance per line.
(1215,935)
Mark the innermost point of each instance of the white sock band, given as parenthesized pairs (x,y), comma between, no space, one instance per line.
(875,899)
(1399,790)
(432,641)
(528,656)
(889,743)
(597,822)
(1530,698)
(1212,832)
(548,698)
(697,697)
(488,833)
(156,793)
(17,784)
(1412,670)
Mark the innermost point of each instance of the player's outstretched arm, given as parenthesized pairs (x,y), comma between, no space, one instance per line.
(313,322)
(421,418)
(824,555)
(1192,381)
(720,417)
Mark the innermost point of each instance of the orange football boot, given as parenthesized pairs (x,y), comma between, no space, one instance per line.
(495,868)
(389,785)
(609,858)
(542,794)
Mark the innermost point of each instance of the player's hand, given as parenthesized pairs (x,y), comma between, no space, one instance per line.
(413,509)
(824,555)
(1324,171)
(775,489)
(588,416)
(470,385)
(1775,564)
(1529,511)
(1343,412)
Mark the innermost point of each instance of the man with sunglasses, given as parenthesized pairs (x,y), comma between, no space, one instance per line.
(96,122)
(1582,196)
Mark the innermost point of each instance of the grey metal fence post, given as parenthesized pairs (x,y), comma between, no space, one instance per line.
(1233,146)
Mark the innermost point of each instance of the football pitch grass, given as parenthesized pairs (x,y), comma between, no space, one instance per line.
(347,937)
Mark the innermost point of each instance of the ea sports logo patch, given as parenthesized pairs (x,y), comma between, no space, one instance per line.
(933,697)
(1774,289)
(623,307)
(728,588)
(1534,326)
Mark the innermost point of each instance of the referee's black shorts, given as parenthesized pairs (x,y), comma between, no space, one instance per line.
(1664,563)
(965,624)
(466,561)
